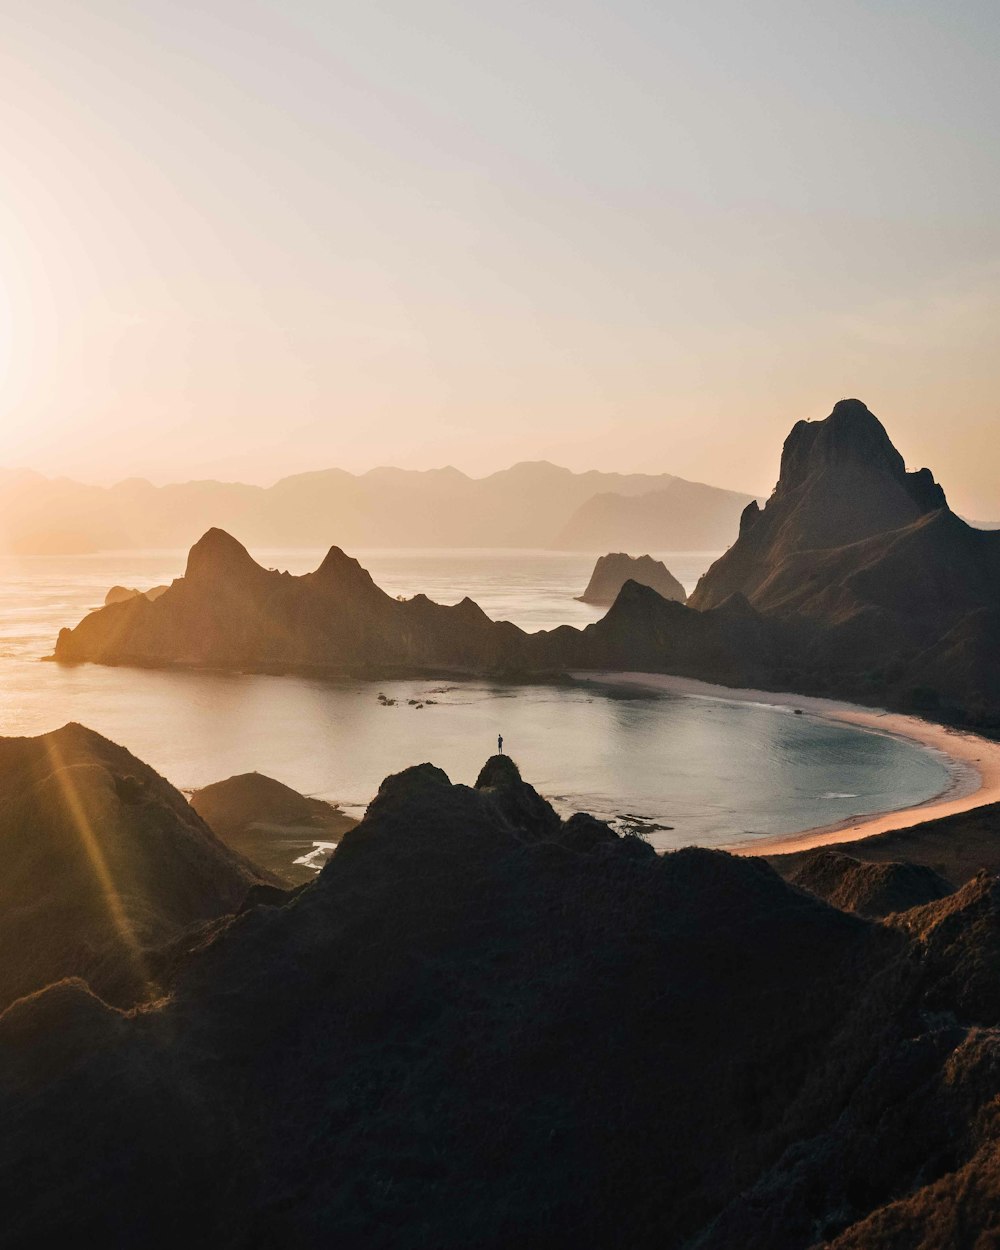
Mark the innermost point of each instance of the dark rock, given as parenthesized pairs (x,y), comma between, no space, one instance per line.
(582,832)
(457,1035)
(520,805)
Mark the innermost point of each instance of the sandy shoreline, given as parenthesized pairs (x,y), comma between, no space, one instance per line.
(973,762)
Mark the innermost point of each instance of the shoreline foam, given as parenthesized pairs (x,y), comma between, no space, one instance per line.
(973,762)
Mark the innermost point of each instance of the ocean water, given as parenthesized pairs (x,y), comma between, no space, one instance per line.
(684,770)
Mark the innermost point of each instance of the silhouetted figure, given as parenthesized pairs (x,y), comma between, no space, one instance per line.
(499,744)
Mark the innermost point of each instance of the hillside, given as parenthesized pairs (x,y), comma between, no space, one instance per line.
(484,1026)
(954,847)
(270,823)
(680,516)
(105,864)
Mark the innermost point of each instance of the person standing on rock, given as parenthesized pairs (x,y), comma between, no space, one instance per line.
(499,744)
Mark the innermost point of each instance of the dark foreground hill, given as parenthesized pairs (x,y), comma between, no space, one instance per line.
(104,865)
(866,887)
(955,847)
(483,1026)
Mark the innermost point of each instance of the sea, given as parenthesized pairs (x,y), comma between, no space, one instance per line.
(681,770)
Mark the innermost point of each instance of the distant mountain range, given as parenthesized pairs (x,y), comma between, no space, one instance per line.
(532,504)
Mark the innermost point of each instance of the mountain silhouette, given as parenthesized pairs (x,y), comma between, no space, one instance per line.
(856,580)
(483,1025)
(532,504)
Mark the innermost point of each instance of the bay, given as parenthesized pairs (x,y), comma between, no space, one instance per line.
(684,770)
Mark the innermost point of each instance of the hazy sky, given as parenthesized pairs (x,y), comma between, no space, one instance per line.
(243,239)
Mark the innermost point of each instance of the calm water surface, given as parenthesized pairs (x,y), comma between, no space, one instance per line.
(710,770)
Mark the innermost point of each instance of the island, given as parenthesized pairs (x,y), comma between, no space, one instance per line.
(611,572)
(856,580)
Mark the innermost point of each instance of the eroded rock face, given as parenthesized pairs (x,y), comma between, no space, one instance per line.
(611,572)
(841,482)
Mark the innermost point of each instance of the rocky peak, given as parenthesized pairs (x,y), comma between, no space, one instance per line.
(344,575)
(520,804)
(842,481)
(850,434)
(851,437)
(218,556)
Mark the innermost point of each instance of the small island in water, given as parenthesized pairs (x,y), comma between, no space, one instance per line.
(611,572)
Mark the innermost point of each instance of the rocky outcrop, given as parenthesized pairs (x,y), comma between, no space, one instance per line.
(867,888)
(842,482)
(885,594)
(611,572)
(270,823)
(105,865)
(564,1041)
(120,594)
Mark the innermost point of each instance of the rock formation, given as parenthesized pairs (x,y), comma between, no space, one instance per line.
(481,1025)
(841,482)
(229,612)
(856,580)
(611,572)
(270,823)
(119,594)
(105,864)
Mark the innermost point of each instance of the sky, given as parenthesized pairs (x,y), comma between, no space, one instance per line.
(243,239)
